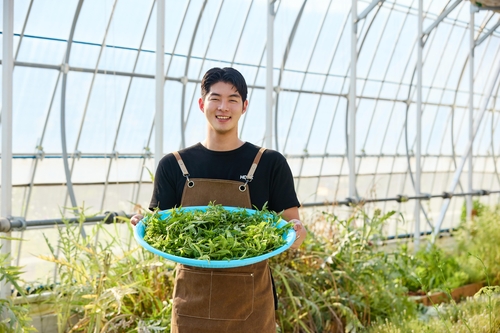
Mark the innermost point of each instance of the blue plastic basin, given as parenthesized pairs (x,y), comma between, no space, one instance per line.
(140,230)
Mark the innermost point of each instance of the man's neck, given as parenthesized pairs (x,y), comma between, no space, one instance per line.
(222,143)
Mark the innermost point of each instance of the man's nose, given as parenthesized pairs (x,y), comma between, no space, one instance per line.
(223,106)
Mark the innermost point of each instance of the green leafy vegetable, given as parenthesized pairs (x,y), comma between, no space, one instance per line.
(215,233)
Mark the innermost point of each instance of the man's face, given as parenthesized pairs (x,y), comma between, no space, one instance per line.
(223,107)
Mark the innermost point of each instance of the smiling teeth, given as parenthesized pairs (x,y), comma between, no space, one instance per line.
(222,117)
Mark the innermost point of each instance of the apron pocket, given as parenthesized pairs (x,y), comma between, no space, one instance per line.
(214,295)
(232,296)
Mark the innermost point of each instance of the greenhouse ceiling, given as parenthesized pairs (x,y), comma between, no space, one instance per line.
(83,98)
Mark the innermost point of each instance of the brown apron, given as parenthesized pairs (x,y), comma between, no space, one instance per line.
(237,299)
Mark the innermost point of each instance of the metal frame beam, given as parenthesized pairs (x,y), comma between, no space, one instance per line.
(6,123)
(441,17)
(446,203)
(368,9)
(271,13)
(351,143)
(418,146)
(486,35)
(160,79)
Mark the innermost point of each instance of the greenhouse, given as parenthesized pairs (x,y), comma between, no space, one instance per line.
(382,118)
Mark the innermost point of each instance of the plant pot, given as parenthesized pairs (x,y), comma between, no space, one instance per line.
(456,294)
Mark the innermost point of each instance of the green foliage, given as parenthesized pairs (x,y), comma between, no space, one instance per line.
(215,233)
(480,314)
(480,238)
(436,270)
(477,210)
(110,285)
(340,280)
(342,283)
(13,318)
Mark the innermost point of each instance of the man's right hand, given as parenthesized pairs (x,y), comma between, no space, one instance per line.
(135,219)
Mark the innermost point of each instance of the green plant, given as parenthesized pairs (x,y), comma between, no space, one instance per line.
(215,233)
(480,314)
(477,210)
(13,318)
(108,285)
(438,271)
(341,283)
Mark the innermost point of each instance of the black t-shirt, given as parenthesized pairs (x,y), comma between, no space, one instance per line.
(272,182)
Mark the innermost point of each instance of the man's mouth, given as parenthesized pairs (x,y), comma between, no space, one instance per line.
(222,117)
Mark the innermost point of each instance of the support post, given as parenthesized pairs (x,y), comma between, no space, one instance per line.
(160,78)
(7,73)
(269,74)
(418,139)
(472,45)
(351,144)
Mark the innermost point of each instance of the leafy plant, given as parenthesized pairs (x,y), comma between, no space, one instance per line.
(342,283)
(478,209)
(108,285)
(480,314)
(13,318)
(215,233)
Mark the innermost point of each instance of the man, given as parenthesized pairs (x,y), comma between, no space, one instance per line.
(225,170)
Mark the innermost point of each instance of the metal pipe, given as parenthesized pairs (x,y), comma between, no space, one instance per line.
(65,70)
(418,146)
(268,140)
(19,223)
(441,17)
(368,9)
(351,145)
(446,203)
(160,78)
(6,123)
(487,34)
(471,107)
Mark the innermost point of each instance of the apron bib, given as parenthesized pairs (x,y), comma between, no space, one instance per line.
(239,299)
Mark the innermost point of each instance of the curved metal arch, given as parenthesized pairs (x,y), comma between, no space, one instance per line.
(183,102)
(492,137)
(452,126)
(124,105)
(368,26)
(69,184)
(260,66)
(285,56)
(148,140)
(177,38)
(302,86)
(336,108)
(317,104)
(103,45)
(241,33)
(202,63)
(392,109)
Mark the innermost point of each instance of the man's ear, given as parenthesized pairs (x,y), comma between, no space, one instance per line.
(201,103)
(245,106)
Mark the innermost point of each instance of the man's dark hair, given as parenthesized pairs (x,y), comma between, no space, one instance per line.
(227,75)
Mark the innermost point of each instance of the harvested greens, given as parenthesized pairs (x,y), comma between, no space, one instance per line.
(215,233)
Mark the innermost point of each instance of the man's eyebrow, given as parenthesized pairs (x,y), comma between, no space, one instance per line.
(219,95)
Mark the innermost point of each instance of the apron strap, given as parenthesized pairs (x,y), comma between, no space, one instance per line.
(254,164)
(249,176)
(181,164)
(184,170)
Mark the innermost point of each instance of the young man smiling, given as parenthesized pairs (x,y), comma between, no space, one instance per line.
(225,170)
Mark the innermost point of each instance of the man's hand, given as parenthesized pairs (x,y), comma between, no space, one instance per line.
(300,231)
(135,219)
